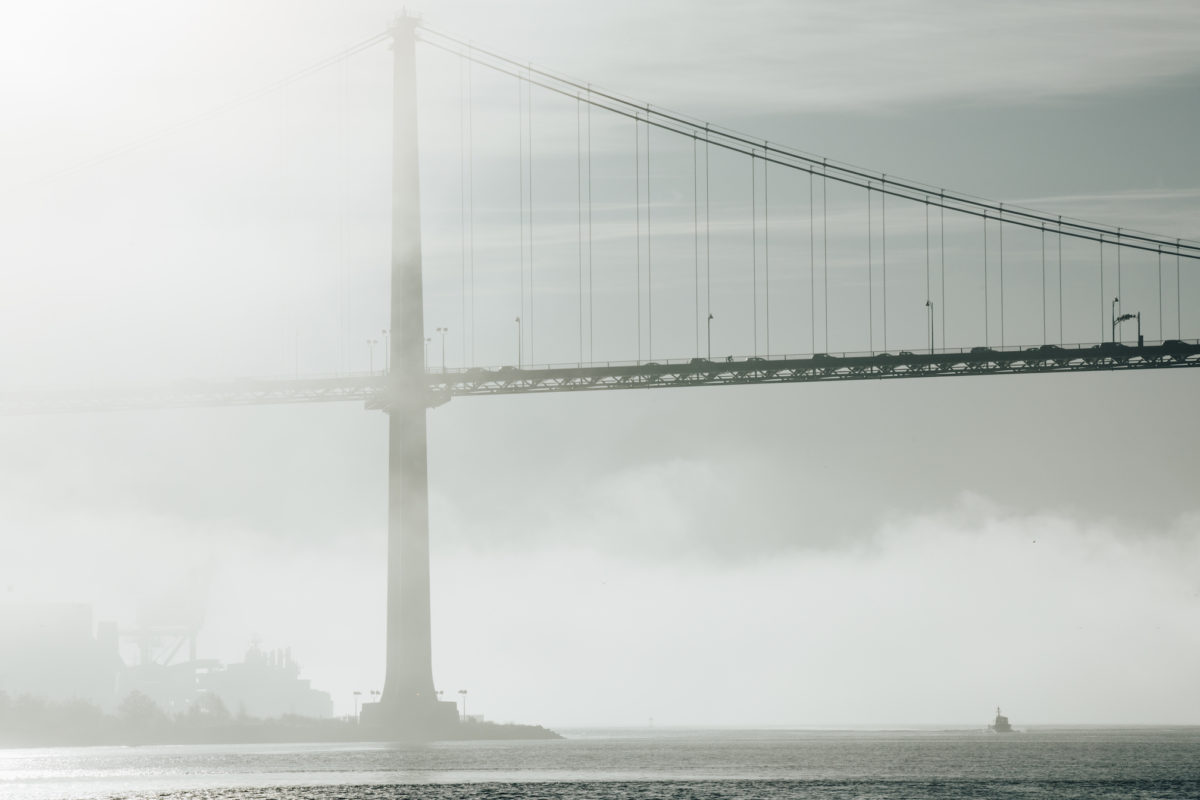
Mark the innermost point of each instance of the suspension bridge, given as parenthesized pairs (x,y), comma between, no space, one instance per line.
(677,253)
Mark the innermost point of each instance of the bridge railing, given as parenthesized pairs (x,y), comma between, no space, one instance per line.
(844,354)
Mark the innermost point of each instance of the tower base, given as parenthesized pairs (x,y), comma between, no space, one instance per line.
(411,721)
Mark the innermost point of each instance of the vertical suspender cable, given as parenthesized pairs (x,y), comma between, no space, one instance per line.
(942,251)
(591,262)
(1001,220)
(471,194)
(1061,340)
(754,249)
(649,252)
(986,321)
(929,286)
(1043,283)
(529,166)
(870,276)
(825,243)
(462,197)
(637,215)
(928,283)
(521,184)
(1101,339)
(1119,293)
(344,304)
(579,210)
(707,242)
(812,269)
(696,240)
(1160,304)
(883,256)
(767,243)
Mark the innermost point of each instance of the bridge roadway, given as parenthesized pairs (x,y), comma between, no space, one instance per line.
(443,385)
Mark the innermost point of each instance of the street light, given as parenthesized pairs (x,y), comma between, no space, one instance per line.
(356,696)
(710,319)
(428,339)
(518,321)
(463,692)
(387,356)
(371,353)
(929,305)
(443,332)
(1117,320)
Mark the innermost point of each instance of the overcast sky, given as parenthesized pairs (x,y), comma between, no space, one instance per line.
(861,553)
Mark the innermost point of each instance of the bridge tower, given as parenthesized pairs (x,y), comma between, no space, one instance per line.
(409,707)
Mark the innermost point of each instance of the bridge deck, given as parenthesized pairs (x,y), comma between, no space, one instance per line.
(369,389)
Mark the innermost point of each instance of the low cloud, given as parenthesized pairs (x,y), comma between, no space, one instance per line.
(935,621)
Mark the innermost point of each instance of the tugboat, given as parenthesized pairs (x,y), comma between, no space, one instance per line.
(1001,724)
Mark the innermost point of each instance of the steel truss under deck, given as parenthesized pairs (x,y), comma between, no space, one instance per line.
(370,389)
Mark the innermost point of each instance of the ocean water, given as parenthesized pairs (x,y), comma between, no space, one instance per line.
(864,765)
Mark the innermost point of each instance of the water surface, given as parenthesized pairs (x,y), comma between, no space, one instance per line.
(1050,763)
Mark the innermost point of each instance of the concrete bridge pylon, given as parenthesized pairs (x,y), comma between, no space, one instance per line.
(409,706)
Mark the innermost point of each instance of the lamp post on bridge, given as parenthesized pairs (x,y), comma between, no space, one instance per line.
(710,319)
(463,694)
(371,354)
(387,355)
(929,305)
(1118,319)
(356,696)
(518,321)
(443,332)
(428,339)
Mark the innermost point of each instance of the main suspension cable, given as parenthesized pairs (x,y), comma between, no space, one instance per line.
(789,157)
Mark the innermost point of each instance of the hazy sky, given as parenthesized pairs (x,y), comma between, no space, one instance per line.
(860,553)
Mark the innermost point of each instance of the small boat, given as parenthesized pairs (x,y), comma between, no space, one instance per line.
(1001,724)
